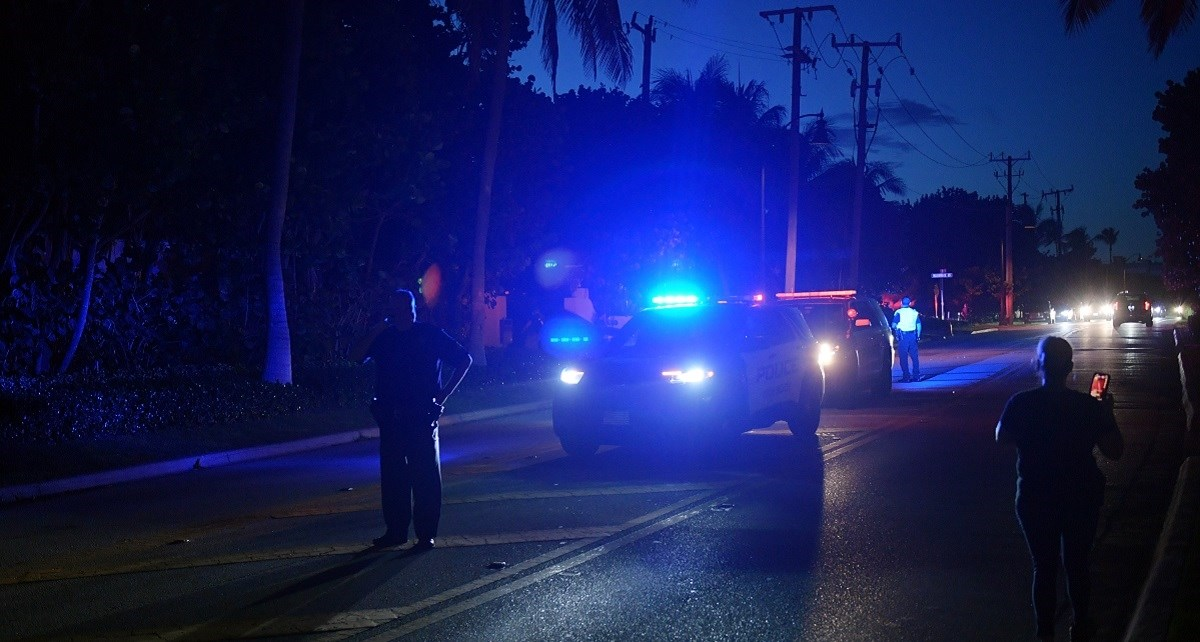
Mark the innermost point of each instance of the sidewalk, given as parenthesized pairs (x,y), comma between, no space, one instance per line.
(37,490)
(1169,608)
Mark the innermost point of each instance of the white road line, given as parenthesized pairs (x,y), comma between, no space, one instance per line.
(834,451)
(570,554)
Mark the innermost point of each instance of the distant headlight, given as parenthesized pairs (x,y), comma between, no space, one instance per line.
(1085,311)
(570,376)
(826,353)
(691,375)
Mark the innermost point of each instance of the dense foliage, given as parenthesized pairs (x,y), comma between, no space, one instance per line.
(139,138)
(55,409)
(1171,192)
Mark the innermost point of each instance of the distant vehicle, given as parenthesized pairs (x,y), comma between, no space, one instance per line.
(692,374)
(1130,307)
(857,346)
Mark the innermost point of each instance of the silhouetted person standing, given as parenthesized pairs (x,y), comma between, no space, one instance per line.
(1060,489)
(907,323)
(410,390)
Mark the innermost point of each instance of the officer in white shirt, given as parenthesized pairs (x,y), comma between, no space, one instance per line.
(907,324)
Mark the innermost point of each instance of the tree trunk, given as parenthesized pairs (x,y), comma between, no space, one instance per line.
(278,368)
(85,304)
(491,149)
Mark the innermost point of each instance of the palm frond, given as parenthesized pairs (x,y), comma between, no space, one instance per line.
(1078,14)
(1163,18)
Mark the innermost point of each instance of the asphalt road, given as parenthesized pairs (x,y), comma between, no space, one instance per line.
(894,523)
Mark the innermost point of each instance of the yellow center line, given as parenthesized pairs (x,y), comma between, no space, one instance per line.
(577,546)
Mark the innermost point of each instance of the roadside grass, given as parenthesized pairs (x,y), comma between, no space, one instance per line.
(32,463)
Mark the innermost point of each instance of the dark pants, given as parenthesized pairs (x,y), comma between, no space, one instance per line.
(410,472)
(1057,531)
(907,348)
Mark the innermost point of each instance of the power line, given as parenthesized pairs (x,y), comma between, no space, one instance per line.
(752,47)
(916,122)
(913,72)
(719,50)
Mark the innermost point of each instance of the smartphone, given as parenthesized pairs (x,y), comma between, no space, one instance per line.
(1099,384)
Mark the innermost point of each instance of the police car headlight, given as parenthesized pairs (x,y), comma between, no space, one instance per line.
(826,353)
(691,375)
(570,376)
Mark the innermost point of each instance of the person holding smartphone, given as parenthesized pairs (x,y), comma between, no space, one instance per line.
(1060,488)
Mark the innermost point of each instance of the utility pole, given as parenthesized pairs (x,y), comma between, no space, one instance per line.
(799,58)
(1006,307)
(648,33)
(861,85)
(1057,210)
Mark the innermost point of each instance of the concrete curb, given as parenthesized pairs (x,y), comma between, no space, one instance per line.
(1152,617)
(11,494)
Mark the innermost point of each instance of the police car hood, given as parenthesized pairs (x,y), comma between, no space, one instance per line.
(624,367)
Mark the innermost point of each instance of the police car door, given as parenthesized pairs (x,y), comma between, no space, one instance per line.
(772,356)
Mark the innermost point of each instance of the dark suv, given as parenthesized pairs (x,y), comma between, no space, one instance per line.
(692,374)
(857,347)
(1129,307)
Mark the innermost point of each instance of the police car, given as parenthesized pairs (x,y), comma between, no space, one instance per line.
(689,373)
(857,347)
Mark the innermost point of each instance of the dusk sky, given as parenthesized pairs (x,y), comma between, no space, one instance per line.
(991,77)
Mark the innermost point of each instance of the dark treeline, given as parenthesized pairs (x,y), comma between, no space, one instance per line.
(138,144)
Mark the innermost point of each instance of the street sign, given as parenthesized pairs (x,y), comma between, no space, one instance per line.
(942,275)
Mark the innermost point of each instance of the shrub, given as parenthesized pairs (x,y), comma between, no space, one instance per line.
(87,405)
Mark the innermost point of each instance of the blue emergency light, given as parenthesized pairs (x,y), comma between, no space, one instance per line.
(675,299)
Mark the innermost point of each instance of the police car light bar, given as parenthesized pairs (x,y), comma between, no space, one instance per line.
(675,299)
(815,294)
(748,298)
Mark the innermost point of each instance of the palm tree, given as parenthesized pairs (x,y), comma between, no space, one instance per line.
(602,42)
(278,367)
(1079,245)
(1049,232)
(601,33)
(1161,17)
(1108,236)
(714,96)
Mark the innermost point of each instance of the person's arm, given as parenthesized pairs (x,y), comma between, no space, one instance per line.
(1004,427)
(358,353)
(1110,441)
(918,327)
(460,366)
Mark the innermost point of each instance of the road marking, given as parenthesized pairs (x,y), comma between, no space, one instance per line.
(581,545)
(523,582)
(368,499)
(855,441)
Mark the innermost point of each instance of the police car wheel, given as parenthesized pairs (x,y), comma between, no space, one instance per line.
(883,382)
(578,445)
(806,416)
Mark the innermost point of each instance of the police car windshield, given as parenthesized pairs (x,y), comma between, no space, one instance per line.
(672,330)
(825,319)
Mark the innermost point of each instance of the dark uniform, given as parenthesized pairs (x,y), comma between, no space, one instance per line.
(408,378)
